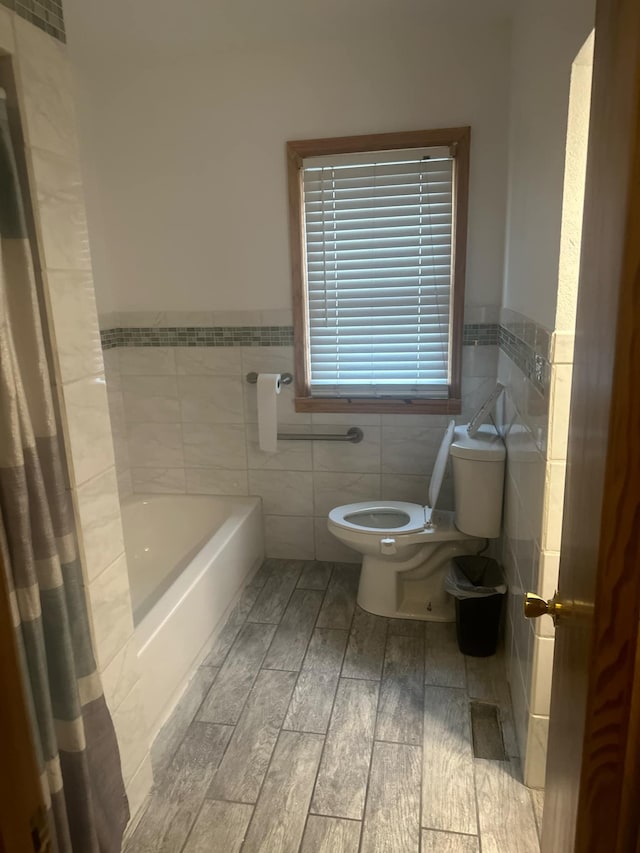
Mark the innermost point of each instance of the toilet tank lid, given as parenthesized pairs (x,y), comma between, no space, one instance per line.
(485,446)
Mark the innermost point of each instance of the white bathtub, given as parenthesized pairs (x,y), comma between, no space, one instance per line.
(188,556)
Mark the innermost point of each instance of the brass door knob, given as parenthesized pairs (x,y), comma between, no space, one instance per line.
(535,606)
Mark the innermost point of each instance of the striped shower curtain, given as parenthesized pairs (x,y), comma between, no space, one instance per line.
(73,732)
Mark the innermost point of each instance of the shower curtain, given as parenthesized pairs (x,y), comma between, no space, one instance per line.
(73,732)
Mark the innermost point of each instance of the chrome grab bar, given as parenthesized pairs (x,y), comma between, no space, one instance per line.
(354,435)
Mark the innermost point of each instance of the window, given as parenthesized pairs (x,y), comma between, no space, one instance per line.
(378,234)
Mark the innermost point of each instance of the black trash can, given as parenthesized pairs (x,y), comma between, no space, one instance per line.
(477,584)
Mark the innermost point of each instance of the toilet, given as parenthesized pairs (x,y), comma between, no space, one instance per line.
(407,547)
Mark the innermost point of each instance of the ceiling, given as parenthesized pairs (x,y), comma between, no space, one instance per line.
(127,27)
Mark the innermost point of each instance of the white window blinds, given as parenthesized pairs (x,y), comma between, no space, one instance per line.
(378,229)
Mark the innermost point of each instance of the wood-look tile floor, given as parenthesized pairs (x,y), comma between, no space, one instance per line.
(314,726)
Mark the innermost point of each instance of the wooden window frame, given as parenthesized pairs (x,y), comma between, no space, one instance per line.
(457,137)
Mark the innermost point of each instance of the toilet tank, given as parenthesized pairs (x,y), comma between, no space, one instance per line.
(478,479)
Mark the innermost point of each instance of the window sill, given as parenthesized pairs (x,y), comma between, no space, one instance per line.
(379,407)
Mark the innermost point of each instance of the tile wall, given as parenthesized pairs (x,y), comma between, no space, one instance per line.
(185,420)
(45,14)
(38,65)
(535,367)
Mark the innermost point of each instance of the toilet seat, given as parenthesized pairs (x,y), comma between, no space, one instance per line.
(348,517)
(393,518)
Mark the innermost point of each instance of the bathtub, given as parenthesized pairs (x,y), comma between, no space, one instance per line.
(188,557)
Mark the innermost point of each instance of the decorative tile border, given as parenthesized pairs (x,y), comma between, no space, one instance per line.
(531,355)
(45,14)
(480,334)
(475,334)
(198,336)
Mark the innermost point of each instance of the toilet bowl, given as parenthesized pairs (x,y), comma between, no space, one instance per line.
(407,547)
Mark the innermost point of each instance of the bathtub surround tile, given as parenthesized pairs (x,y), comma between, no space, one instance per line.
(365,652)
(220,828)
(290,642)
(87,416)
(73,309)
(219,447)
(401,692)
(175,804)
(315,575)
(138,789)
(448,789)
(289,537)
(131,731)
(247,758)
(158,481)
(209,361)
(150,399)
(392,814)
(225,700)
(111,609)
(449,842)
(340,600)
(121,675)
(283,492)
(342,779)
(156,445)
(60,213)
(147,361)
(210,399)
(216,481)
(275,594)
(444,665)
(505,812)
(290,778)
(173,731)
(99,511)
(330,835)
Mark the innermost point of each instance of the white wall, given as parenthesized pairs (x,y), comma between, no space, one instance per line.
(547,36)
(185,163)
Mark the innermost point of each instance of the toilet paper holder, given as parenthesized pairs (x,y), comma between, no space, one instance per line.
(285,378)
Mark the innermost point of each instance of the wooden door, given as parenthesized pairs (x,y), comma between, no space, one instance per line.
(592,765)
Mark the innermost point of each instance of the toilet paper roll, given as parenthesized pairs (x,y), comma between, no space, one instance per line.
(268,390)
